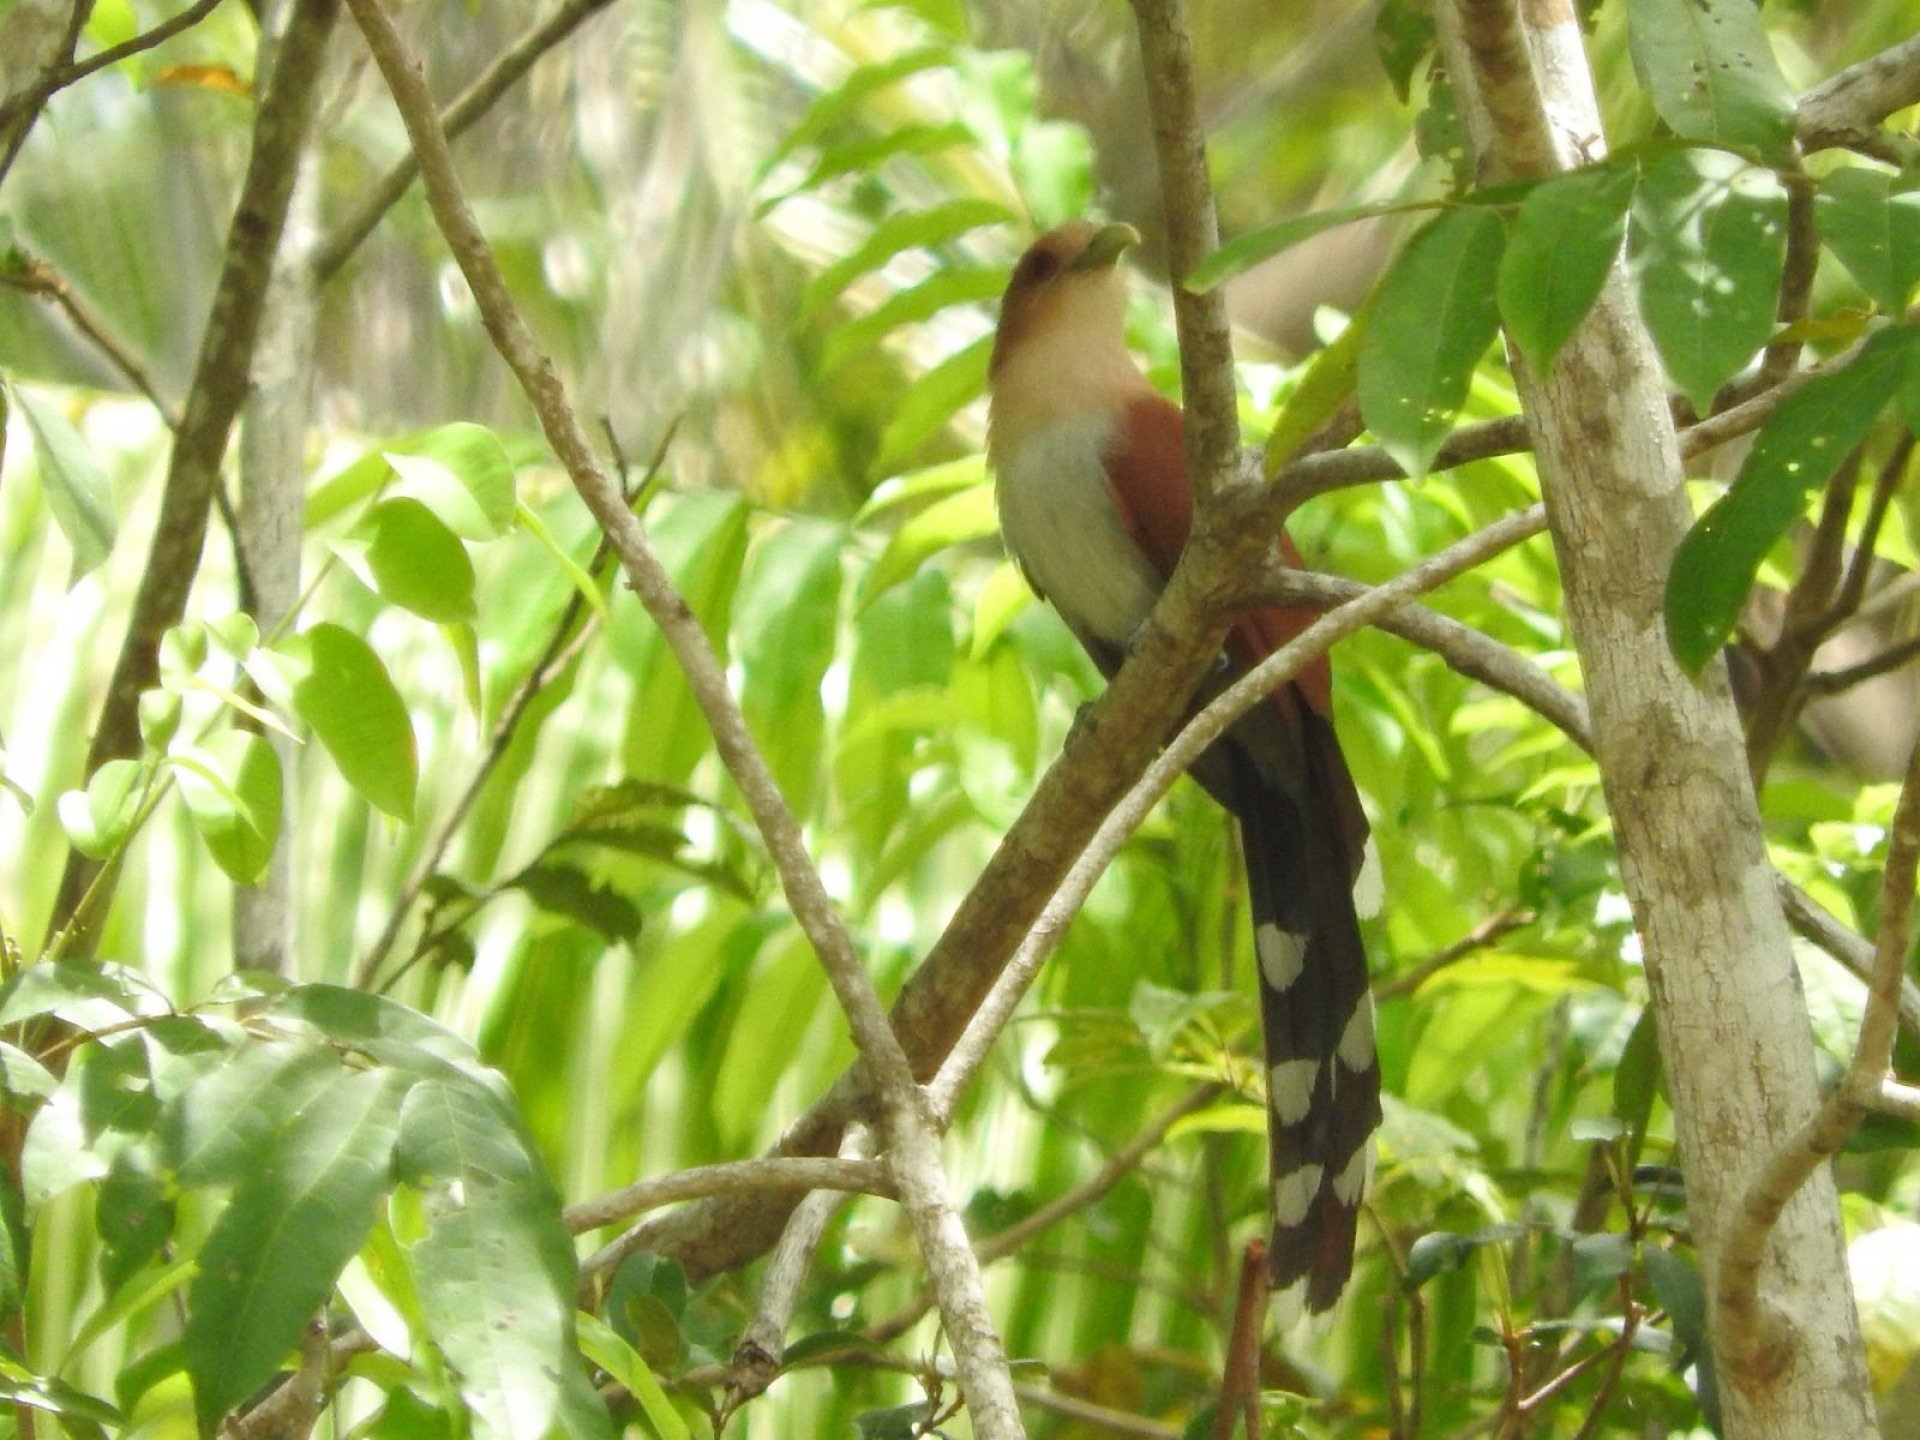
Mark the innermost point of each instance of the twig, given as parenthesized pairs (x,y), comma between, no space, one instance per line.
(1815,924)
(1844,107)
(1104,1417)
(37,277)
(1833,682)
(756,1359)
(1796,275)
(1764,1329)
(1070,1201)
(1240,1380)
(1193,233)
(214,398)
(812,1172)
(912,1147)
(21,128)
(60,77)
(471,104)
(1482,935)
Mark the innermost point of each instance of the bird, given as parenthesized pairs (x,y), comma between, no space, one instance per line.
(1095,507)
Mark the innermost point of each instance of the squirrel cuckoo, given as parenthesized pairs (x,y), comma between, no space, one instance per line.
(1096,507)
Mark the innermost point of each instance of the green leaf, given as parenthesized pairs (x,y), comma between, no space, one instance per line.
(1708,243)
(931,402)
(1403,35)
(1433,318)
(76,487)
(1793,456)
(1002,597)
(495,1269)
(408,557)
(1052,164)
(350,701)
(910,490)
(130,1299)
(1871,221)
(299,1214)
(216,1129)
(622,1362)
(840,104)
(387,1031)
(98,818)
(870,152)
(1677,1284)
(461,472)
(231,786)
(1439,1251)
(1327,385)
(1243,252)
(908,230)
(80,1413)
(584,583)
(567,892)
(943,288)
(1710,71)
(1566,237)
(957,519)
(133,1213)
(83,995)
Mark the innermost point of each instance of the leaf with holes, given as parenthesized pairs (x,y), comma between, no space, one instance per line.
(1710,71)
(1871,221)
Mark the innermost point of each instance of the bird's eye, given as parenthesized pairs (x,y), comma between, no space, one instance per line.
(1036,266)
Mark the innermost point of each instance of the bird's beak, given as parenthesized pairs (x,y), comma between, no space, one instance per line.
(1106,247)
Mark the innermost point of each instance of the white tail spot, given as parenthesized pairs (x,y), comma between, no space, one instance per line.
(1370,885)
(1294,1192)
(1290,1088)
(1354,1177)
(1356,1041)
(1282,954)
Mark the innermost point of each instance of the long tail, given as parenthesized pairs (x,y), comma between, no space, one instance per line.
(1323,1078)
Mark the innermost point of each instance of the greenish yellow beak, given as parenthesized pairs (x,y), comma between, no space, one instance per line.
(1106,247)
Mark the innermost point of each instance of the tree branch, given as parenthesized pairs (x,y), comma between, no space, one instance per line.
(734,1177)
(1845,107)
(912,1146)
(57,79)
(470,105)
(1193,233)
(219,386)
(1767,1329)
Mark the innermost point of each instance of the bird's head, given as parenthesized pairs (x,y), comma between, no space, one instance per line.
(1067,285)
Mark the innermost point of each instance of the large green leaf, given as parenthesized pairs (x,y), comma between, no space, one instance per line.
(1710,71)
(1432,320)
(495,1270)
(1871,220)
(346,695)
(1794,455)
(405,553)
(1708,242)
(97,820)
(840,104)
(76,487)
(301,1211)
(1566,237)
(215,1131)
(461,472)
(957,519)
(789,619)
(908,230)
(945,287)
(1243,252)
(931,402)
(231,786)
(385,1030)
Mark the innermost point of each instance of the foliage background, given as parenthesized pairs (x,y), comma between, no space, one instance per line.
(699,204)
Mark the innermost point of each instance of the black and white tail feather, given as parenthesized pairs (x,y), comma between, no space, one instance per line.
(1304,839)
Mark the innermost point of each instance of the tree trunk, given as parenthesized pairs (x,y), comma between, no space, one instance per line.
(1727,1001)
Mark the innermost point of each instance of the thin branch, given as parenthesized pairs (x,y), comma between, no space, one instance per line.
(1845,107)
(1818,926)
(1764,1328)
(912,1147)
(1102,1417)
(1240,1379)
(1068,1202)
(214,398)
(733,1177)
(1193,233)
(471,104)
(1796,276)
(1833,682)
(37,277)
(1853,589)
(62,76)
(1482,935)
(16,141)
